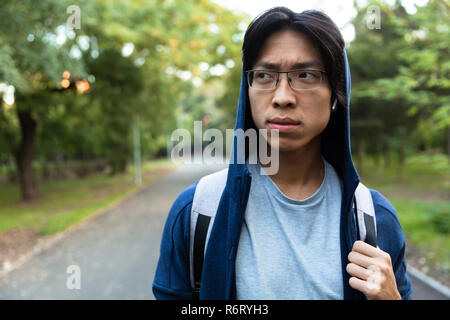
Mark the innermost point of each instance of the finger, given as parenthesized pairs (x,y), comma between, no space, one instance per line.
(357,284)
(365,249)
(358,271)
(360,259)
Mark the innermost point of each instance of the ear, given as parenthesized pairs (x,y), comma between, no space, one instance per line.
(334,107)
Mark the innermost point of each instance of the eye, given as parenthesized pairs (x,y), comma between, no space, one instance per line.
(263,75)
(307,75)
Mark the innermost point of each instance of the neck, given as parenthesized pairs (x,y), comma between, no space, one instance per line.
(301,171)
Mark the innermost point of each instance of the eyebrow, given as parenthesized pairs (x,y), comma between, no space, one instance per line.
(297,65)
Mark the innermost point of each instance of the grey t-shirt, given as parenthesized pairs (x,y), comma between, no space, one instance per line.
(288,248)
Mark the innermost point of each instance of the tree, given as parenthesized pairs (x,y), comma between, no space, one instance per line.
(397,78)
(168,41)
(33,64)
(405,86)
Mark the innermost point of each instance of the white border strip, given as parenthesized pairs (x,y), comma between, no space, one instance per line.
(429,281)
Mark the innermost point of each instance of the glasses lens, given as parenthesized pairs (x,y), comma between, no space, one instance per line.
(305,79)
(262,80)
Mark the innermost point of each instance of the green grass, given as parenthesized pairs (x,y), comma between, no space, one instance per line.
(420,192)
(67,202)
(421,172)
(62,221)
(427,225)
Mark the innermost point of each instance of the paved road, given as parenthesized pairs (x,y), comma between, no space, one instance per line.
(423,291)
(116,252)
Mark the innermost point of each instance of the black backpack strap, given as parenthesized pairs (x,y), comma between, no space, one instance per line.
(203,212)
(201,230)
(365,215)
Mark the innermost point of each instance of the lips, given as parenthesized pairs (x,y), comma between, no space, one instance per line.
(284,124)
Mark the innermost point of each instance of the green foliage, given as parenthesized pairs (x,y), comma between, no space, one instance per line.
(441,220)
(406,83)
(33,58)
(418,190)
(431,217)
(426,224)
(169,39)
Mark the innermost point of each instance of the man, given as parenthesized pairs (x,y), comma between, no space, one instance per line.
(290,235)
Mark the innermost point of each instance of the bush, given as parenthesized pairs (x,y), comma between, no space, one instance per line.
(441,221)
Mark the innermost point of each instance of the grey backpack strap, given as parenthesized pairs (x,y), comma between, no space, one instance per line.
(204,207)
(365,215)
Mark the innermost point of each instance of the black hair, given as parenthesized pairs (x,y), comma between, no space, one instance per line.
(316,25)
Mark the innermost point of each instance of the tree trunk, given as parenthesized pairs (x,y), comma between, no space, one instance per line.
(24,154)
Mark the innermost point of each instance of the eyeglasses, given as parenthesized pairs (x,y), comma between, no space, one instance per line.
(299,79)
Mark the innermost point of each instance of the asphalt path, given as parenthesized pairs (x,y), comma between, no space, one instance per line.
(115,254)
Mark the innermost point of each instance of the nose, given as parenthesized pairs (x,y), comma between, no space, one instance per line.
(283,95)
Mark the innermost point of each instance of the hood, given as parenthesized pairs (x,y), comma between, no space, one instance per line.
(335,142)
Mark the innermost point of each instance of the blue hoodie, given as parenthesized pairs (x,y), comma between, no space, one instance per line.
(172,278)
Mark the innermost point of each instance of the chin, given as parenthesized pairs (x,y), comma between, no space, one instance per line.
(287,145)
(288,148)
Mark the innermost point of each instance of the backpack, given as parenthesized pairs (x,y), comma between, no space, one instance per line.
(206,202)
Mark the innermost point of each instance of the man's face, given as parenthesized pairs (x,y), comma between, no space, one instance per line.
(309,109)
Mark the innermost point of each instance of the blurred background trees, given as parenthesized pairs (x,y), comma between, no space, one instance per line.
(78,92)
(72,96)
(401,82)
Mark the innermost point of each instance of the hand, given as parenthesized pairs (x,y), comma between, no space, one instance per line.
(372,273)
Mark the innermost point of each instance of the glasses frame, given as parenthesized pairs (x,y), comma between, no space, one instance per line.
(322,72)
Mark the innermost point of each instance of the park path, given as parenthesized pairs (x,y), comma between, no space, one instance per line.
(117,251)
